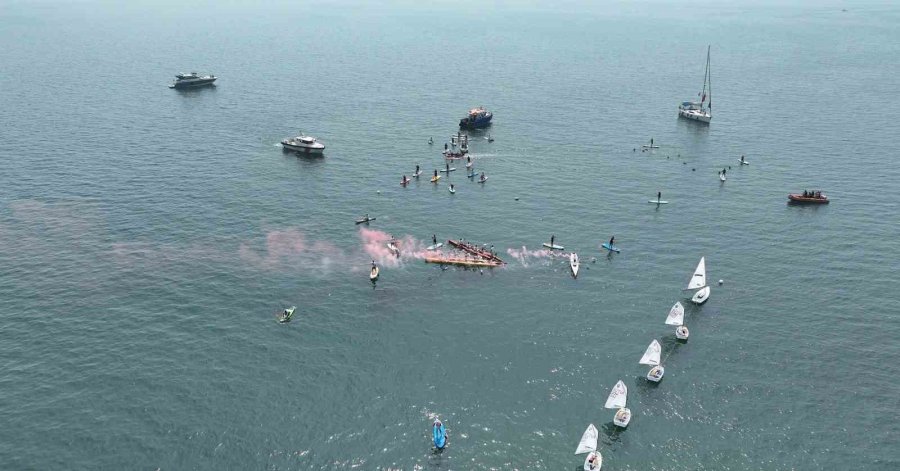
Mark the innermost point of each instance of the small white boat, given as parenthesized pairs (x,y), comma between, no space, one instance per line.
(676,318)
(303,144)
(588,444)
(574,264)
(652,358)
(617,400)
(699,111)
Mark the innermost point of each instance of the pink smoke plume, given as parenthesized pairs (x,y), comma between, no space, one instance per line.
(375,243)
(523,255)
(289,246)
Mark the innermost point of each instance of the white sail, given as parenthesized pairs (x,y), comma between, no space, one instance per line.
(588,441)
(676,315)
(699,278)
(651,356)
(617,397)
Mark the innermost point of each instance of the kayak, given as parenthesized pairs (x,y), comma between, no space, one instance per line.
(611,248)
(552,246)
(373,275)
(658,202)
(287,314)
(360,221)
(439,435)
(435,246)
(435,178)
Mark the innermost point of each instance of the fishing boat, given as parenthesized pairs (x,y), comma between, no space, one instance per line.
(364,220)
(287,314)
(373,274)
(616,400)
(808,197)
(651,358)
(588,444)
(699,111)
(698,282)
(676,318)
(574,264)
(304,144)
(438,435)
(477,118)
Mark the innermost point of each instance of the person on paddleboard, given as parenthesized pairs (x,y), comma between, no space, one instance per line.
(552,238)
(434,239)
(373,264)
(658,196)
(435,173)
(417,169)
(448,168)
(651,142)
(612,240)
(723,172)
(742,158)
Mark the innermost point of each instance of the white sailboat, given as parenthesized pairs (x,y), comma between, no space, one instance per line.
(588,444)
(698,282)
(676,317)
(574,263)
(651,357)
(616,400)
(699,111)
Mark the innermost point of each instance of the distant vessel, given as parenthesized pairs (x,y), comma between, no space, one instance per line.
(304,144)
(702,110)
(588,444)
(191,80)
(814,197)
(477,118)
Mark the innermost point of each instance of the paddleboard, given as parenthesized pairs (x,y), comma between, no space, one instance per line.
(722,177)
(469,165)
(416,175)
(658,202)
(482,180)
(405,182)
(646,146)
(471,175)
(435,179)
(373,275)
(452,169)
(743,162)
(451,190)
(360,221)
(552,246)
(435,246)
(612,248)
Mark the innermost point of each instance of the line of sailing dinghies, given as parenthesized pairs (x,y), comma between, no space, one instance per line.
(588,444)
(652,358)
(616,400)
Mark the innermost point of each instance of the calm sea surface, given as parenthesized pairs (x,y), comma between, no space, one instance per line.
(147,236)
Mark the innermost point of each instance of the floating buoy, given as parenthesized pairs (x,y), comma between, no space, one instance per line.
(721,282)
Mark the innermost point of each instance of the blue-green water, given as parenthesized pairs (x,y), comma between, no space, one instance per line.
(148,235)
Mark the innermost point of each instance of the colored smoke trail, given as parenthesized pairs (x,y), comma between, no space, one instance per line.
(289,247)
(375,245)
(524,256)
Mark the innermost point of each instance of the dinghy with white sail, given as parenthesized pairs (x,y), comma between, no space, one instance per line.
(652,357)
(588,444)
(616,400)
(698,282)
(676,318)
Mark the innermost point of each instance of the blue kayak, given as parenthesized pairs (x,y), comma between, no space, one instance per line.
(612,248)
(439,434)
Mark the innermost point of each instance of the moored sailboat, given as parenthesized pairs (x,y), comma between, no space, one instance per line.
(699,111)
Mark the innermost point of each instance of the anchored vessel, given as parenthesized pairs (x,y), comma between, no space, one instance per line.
(702,110)
(192,80)
(304,144)
(477,118)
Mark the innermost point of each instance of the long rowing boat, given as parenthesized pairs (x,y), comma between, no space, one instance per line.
(468,262)
(475,250)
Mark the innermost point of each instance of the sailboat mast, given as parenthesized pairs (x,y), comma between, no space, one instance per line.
(709,79)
